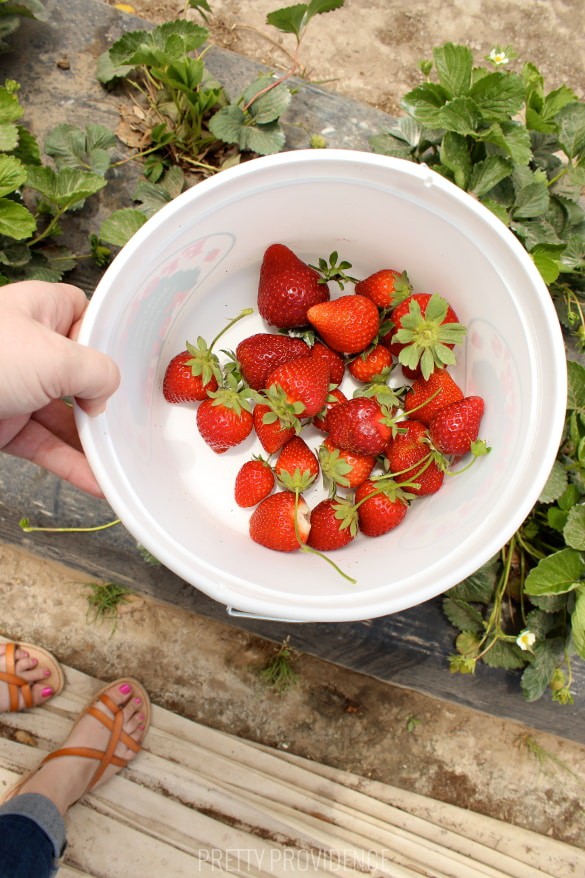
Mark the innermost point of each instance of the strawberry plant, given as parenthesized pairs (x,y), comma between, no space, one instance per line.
(520,150)
(10,14)
(188,119)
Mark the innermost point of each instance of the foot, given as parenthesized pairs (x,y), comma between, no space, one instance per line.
(65,779)
(31,670)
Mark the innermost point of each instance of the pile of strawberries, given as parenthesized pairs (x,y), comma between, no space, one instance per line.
(378,449)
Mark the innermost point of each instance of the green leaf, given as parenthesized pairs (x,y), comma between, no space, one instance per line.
(424,103)
(462,615)
(454,65)
(571,134)
(121,225)
(263,139)
(556,574)
(547,260)
(504,654)
(10,108)
(12,174)
(460,115)
(488,173)
(107,71)
(578,623)
(15,220)
(27,150)
(8,136)
(152,196)
(511,138)
(455,156)
(168,42)
(576,387)
(72,147)
(499,96)
(547,656)
(66,187)
(270,105)
(289,20)
(227,124)
(574,531)
(555,484)
(476,588)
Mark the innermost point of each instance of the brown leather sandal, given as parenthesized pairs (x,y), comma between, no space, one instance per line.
(17,684)
(114,724)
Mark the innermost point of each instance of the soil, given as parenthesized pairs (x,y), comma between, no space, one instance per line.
(209,672)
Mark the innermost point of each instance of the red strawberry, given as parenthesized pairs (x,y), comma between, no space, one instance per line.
(287,288)
(296,466)
(343,468)
(334,524)
(305,381)
(360,425)
(456,426)
(272,523)
(425,330)
(347,324)
(260,354)
(254,482)
(381,506)
(270,430)
(334,397)
(224,419)
(183,380)
(412,460)
(195,371)
(418,403)
(335,361)
(385,288)
(374,364)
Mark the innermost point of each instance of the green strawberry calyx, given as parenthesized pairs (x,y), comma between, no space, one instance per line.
(332,270)
(204,362)
(427,338)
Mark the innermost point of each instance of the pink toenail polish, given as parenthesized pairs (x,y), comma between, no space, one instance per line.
(125,688)
(46,673)
(138,701)
(48,690)
(140,717)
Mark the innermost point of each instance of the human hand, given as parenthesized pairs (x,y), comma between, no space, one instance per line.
(40,363)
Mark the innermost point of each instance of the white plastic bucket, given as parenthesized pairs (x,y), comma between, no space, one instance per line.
(195,264)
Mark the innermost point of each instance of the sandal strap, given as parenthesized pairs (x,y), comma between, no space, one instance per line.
(15,683)
(106,757)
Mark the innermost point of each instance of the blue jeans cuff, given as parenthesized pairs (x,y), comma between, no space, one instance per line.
(44,813)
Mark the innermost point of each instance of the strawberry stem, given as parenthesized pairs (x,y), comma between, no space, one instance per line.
(25,525)
(244,313)
(309,549)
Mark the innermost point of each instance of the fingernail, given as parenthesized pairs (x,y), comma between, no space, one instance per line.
(125,688)
(47,691)
(46,673)
(138,701)
(25,654)
(140,717)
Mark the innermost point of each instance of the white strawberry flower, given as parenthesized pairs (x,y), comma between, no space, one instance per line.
(526,640)
(498,57)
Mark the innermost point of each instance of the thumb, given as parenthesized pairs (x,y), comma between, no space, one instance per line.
(92,377)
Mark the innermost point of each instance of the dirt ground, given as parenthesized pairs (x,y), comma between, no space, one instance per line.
(369,51)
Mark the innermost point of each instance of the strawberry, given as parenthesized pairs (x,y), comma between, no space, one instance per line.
(296,466)
(335,361)
(224,418)
(374,364)
(334,524)
(426,397)
(196,370)
(334,397)
(347,324)
(287,288)
(281,522)
(271,431)
(426,329)
(254,482)
(343,468)
(304,381)
(386,288)
(185,381)
(260,354)
(381,506)
(360,425)
(455,427)
(413,461)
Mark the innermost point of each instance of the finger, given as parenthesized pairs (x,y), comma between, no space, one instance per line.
(59,419)
(86,374)
(38,445)
(56,305)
